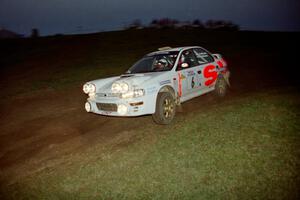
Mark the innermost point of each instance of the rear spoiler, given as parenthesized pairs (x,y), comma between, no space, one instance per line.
(164,48)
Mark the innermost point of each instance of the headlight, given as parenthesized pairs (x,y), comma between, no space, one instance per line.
(133,94)
(124,87)
(89,88)
(139,93)
(119,87)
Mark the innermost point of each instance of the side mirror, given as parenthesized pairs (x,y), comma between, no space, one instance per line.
(184,65)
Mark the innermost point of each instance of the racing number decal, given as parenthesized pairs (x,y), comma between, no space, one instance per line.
(210,74)
(192,83)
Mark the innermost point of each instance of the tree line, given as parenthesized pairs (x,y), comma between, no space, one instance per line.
(165,23)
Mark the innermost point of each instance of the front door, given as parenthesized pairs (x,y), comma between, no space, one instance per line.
(189,74)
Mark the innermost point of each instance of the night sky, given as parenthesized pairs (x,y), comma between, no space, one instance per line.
(79,16)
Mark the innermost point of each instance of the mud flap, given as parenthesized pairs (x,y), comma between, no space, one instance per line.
(226,77)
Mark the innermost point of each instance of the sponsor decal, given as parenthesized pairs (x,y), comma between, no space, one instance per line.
(210,74)
(182,77)
(220,64)
(190,73)
(179,84)
(165,82)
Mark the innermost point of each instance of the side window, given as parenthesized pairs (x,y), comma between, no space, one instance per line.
(203,56)
(188,57)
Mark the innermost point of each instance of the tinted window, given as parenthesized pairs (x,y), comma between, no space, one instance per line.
(188,57)
(154,63)
(203,56)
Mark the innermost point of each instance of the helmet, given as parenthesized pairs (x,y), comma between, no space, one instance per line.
(162,63)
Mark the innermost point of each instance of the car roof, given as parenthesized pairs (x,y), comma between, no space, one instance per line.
(169,49)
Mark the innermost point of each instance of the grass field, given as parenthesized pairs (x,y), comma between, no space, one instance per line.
(242,148)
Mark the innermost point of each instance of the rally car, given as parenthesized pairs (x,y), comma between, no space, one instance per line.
(158,83)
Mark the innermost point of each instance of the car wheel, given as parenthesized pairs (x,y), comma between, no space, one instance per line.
(221,87)
(165,108)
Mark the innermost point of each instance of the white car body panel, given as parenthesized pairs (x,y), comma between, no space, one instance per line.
(186,84)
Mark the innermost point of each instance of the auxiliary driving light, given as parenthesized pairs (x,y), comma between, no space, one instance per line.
(89,88)
(122,109)
(87,107)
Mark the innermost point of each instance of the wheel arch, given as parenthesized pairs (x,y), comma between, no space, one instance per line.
(165,88)
(164,92)
(168,88)
(225,77)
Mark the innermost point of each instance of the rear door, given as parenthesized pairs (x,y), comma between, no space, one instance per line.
(207,69)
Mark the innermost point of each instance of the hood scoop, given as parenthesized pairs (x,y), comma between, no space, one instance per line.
(131,75)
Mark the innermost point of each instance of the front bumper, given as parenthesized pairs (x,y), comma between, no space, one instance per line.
(116,106)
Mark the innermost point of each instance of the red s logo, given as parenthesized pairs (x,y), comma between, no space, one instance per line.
(210,74)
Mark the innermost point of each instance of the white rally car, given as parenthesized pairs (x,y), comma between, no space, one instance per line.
(158,83)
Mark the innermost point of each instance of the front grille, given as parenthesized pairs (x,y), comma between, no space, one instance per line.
(108,95)
(107,107)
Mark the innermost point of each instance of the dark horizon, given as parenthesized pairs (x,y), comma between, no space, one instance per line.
(76,17)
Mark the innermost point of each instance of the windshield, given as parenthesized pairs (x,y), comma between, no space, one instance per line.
(154,63)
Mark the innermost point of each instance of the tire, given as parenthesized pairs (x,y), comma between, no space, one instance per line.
(221,87)
(165,109)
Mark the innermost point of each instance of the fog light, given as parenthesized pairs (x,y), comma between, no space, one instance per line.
(122,109)
(87,107)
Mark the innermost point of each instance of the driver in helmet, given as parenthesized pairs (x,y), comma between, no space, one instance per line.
(161,64)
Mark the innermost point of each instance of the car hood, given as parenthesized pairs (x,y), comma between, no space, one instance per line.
(133,80)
